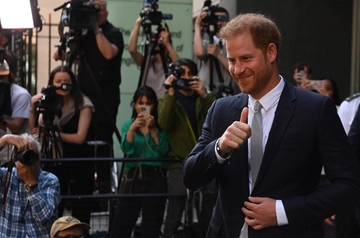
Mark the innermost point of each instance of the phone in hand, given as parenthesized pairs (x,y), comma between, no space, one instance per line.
(317,84)
(145,111)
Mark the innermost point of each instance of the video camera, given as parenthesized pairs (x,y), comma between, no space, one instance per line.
(211,19)
(178,83)
(51,102)
(79,15)
(27,157)
(151,14)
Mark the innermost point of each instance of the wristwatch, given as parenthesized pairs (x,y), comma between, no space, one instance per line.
(29,187)
(98,32)
(221,153)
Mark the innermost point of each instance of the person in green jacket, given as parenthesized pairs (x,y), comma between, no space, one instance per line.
(143,138)
(182,112)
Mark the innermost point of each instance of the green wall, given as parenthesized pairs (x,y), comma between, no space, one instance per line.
(123,15)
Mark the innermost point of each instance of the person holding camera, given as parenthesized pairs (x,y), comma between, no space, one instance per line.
(156,74)
(72,120)
(213,48)
(182,111)
(15,120)
(29,195)
(302,75)
(99,77)
(142,138)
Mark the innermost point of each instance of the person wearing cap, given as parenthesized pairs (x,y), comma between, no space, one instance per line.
(16,120)
(29,195)
(69,227)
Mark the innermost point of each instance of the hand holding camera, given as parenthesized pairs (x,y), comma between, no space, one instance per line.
(174,81)
(16,140)
(213,50)
(198,86)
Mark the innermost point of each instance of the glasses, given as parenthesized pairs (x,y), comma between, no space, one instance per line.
(72,236)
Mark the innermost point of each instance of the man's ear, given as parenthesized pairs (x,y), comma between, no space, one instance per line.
(272,52)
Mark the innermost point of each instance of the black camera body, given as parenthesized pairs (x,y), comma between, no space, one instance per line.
(50,103)
(211,19)
(179,83)
(26,157)
(79,15)
(150,13)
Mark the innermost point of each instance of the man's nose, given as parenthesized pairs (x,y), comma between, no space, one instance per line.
(238,68)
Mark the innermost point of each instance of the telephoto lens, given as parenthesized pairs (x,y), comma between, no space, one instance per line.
(27,157)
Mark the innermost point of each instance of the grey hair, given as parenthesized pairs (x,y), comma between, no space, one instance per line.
(32,139)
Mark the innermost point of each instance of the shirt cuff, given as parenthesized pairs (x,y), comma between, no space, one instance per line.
(281,214)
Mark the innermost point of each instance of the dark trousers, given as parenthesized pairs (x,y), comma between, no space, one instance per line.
(82,183)
(209,195)
(102,129)
(151,208)
(347,224)
(176,205)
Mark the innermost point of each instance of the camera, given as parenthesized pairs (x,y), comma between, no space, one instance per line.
(151,16)
(79,15)
(150,13)
(50,103)
(301,68)
(211,19)
(178,83)
(27,157)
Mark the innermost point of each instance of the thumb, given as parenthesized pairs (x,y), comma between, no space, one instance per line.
(244,115)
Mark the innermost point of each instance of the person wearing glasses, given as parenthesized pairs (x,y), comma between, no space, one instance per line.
(69,227)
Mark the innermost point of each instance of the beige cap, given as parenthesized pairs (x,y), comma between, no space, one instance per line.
(66,222)
(4,68)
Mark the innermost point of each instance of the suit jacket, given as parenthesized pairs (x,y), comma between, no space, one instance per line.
(306,134)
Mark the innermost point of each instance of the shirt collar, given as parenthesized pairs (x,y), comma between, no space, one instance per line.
(270,98)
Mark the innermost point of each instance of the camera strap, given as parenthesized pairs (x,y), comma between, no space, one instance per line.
(6,185)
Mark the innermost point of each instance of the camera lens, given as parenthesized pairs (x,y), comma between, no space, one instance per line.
(27,157)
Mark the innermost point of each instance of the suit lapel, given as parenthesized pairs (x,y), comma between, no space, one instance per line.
(282,117)
(242,152)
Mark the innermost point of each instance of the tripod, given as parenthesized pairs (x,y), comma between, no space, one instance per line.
(50,139)
(150,49)
(211,30)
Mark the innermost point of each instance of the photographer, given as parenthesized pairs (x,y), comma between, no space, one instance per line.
(204,49)
(102,48)
(29,195)
(302,75)
(155,75)
(182,111)
(17,121)
(73,121)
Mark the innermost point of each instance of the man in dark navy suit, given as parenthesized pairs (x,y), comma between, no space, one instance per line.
(269,173)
